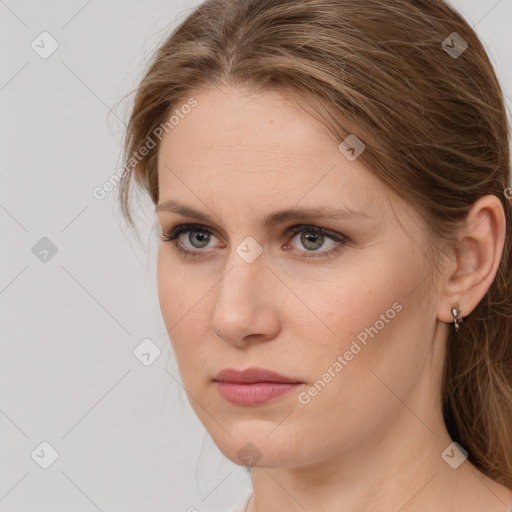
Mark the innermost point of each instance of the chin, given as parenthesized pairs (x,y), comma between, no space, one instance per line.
(257,450)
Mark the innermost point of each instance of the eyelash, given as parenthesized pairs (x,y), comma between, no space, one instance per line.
(173,235)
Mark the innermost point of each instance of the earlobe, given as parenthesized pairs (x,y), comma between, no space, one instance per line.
(457,317)
(476,261)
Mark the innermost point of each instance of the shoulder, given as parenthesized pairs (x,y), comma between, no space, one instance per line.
(483,493)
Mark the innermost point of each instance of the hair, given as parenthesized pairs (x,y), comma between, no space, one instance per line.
(434,125)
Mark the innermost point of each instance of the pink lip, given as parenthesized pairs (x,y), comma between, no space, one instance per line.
(252,375)
(253,386)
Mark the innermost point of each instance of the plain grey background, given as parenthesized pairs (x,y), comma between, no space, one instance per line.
(122,433)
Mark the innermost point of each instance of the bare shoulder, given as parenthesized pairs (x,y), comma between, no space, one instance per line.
(491,495)
(503,498)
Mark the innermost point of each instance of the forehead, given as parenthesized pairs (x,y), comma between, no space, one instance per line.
(259,146)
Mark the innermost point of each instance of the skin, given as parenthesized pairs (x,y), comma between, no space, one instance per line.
(372,438)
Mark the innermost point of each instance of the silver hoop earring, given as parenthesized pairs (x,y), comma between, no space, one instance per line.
(456,319)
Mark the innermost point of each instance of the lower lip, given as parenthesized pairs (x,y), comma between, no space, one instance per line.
(253,394)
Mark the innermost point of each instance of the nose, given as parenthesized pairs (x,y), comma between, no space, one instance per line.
(246,308)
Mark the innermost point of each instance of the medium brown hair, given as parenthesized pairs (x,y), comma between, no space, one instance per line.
(435,129)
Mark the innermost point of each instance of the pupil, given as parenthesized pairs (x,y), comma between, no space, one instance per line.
(312,238)
(201,236)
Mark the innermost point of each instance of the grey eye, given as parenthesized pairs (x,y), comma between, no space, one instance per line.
(199,237)
(311,240)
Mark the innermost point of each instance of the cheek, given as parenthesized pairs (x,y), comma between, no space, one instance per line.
(372,349)
(367,294)
(348,303)
(168,283)
(180,306)
(177,294)
(362,312)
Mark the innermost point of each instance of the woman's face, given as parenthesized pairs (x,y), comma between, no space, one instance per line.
(351,323)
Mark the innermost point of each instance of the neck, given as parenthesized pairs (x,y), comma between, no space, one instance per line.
(398,467)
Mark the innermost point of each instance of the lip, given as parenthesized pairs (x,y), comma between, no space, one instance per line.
(253,375)
(253,386)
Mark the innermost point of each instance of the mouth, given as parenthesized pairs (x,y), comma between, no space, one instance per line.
(253,386)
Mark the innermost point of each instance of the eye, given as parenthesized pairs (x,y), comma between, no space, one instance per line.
(312,238)
(198,237)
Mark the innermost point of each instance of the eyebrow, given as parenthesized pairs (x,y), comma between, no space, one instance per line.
(271,219)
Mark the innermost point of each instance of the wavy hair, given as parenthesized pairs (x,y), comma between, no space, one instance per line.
(435,128)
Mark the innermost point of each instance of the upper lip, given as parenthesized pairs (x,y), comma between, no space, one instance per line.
(252,375)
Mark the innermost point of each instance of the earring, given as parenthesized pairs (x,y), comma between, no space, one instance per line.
(456,320)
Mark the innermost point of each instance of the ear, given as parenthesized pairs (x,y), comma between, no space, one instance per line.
(473,266)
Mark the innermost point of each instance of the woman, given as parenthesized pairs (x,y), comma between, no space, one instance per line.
(331,180)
